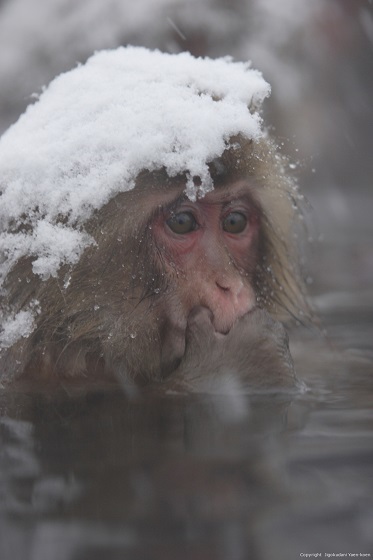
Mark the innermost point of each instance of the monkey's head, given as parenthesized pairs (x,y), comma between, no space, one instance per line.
(159,255)
(193,228)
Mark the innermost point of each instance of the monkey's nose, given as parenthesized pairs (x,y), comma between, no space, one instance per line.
(229,301)
(230,287)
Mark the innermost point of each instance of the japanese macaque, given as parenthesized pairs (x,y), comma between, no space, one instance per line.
(187,294)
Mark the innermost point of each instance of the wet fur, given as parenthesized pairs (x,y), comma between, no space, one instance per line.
(101,315)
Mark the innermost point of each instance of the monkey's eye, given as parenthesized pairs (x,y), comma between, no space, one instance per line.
(235,222)
(182,223)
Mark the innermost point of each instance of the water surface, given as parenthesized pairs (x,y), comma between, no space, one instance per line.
(96,475)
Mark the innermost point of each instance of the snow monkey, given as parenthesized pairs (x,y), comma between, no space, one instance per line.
(147,229)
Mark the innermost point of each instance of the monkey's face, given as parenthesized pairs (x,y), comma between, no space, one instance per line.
(208,251)
(179,255)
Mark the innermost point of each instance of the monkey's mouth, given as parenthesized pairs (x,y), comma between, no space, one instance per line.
(202,320)
(200,324)
(218,324)
(222,325)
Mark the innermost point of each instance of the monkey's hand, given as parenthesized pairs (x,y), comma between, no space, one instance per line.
(254,355)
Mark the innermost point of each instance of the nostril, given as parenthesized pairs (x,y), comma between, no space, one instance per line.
(223,288)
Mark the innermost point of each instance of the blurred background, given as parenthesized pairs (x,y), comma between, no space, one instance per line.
(316,55)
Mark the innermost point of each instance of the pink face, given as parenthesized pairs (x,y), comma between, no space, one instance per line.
(211,247)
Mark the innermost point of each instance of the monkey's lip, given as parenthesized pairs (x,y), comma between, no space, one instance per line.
(178,329)
(222,326)
(219,323)
(222,330)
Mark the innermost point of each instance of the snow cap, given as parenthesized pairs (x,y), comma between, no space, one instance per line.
(95,128)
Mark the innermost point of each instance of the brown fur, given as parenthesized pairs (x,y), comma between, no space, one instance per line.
(105,313)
